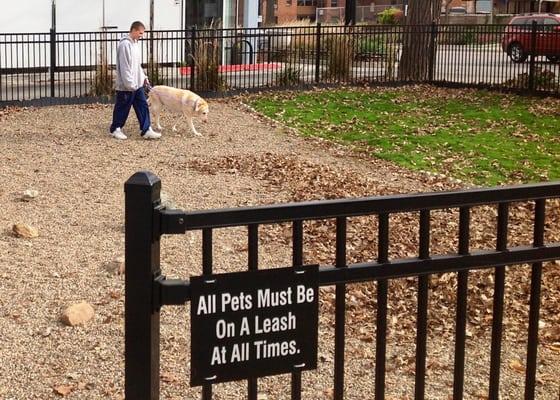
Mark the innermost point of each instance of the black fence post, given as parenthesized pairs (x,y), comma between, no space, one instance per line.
(193,61)
(53,58)
(531,82)
(431,65)
(268,48)
(141,349)
(318,53)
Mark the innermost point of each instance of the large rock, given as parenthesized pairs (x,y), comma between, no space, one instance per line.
(25,231)
(29,194)
(78,314)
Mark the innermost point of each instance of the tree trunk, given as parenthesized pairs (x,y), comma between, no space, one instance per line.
(270,20)
(418,40)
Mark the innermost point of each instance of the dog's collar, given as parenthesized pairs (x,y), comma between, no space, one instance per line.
(195,104)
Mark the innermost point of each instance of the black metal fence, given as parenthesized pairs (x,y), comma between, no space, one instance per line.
(81,64)
(147,290)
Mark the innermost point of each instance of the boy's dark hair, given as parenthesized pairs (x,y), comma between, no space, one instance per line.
(137,25)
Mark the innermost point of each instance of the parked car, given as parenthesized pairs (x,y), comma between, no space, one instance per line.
(517,39)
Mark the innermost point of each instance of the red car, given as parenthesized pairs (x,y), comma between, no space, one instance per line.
(517,42)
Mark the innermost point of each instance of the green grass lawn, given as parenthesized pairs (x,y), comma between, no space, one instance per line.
(480,137)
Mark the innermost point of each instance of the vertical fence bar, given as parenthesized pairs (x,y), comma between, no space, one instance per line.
(19,64)
(433,36)
(2,39)
(318,53)
(29,61)
(207,270)
(53,59)
(142,247)
(340,310)
(498,307)
(192,60)
(461,314)
(12,65)
(532,57)
(253,261)
(297,260)
(422,314)
(381,320)
(62,75)
(534,309)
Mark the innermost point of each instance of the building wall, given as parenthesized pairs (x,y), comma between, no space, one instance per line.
(86,16)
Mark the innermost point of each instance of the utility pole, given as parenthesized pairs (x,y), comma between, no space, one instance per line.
(151,15)
(151,57)
(350,12)
(53,15)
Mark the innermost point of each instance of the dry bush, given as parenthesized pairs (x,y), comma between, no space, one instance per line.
(102,83)
(207,60)
(340,49)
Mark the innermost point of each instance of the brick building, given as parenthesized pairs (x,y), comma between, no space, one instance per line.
(286,11)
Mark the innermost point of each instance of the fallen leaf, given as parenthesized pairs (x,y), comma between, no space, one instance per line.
(63,390)
(516,366)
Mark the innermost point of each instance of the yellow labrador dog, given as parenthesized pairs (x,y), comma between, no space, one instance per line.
(179,101)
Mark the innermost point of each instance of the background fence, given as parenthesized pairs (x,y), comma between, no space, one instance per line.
(81,64)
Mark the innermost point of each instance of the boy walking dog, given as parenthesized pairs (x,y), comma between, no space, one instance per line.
(130,84)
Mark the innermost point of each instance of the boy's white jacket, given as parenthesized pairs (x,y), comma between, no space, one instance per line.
(130,75)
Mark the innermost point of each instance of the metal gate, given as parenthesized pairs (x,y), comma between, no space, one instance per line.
(147,290)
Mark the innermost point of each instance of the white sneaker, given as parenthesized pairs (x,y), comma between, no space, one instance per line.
(118,134)
(151,134)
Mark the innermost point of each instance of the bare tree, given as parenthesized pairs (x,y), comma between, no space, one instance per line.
(417,41)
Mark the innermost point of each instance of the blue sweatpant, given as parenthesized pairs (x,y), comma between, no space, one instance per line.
(125,100)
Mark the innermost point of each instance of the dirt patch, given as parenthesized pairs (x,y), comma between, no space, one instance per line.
(66,155)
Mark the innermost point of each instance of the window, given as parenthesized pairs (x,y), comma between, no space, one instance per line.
(307,3)
(334,3)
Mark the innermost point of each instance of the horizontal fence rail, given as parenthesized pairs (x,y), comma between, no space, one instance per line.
(147,289)
(82,64)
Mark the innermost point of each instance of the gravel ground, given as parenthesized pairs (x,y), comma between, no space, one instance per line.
(66,155)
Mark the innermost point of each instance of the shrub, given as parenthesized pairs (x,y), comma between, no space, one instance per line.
(543,79)
(207,61)
(288,76)
(340,51)
(102,84)
(154,74)
(369,47)
(390,16)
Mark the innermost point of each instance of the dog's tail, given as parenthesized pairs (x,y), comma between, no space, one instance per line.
(151,94)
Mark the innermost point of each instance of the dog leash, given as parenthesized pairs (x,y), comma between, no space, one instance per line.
(147,88)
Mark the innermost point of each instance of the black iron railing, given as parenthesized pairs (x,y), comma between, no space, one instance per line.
(147,290)
(81,64)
